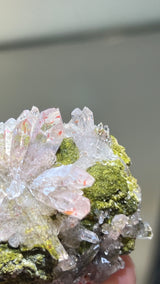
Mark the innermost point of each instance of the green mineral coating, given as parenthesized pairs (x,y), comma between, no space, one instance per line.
(128,245)
(24,266)
(46,246)
(119,150)
(113,189)
(68,152)
(7,256)
(88,223)
(84,246)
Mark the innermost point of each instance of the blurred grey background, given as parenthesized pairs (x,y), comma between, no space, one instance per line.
(101,54)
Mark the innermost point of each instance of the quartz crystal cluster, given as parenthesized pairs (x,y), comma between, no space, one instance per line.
(69,206)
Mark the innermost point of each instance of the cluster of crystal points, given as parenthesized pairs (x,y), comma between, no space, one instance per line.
(43,204)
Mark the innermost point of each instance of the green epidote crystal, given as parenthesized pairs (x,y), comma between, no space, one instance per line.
(27,266)
(113,189)
(128,245)
(67,153)
(119,150)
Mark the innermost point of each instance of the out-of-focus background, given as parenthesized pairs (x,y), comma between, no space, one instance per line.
(102,54)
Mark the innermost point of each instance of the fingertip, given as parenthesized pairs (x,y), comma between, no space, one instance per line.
(124,276)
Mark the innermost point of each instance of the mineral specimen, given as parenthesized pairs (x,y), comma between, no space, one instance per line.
(69,206)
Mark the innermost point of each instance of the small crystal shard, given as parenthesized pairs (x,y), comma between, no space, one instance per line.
(69,204)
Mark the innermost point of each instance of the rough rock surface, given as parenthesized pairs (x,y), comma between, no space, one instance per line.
(69,206)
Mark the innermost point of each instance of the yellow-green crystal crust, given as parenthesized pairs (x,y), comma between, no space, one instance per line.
(128,245)
(68,152)
(28,266)
(113,188)
(119,150)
